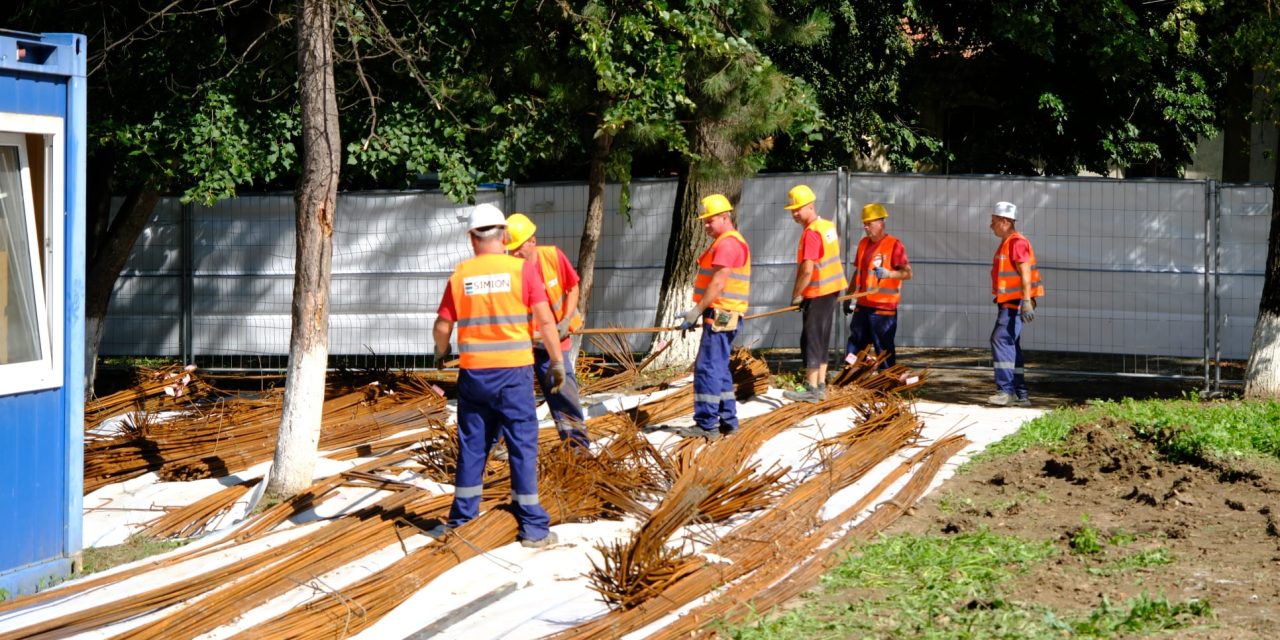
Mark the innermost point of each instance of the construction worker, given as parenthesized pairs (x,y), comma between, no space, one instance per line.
(1015,286)
(491,298)
(561,280)
(880,267)
(720,296)
(819,281)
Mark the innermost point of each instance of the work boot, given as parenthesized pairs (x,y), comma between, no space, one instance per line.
(1002,399)
(697,432)
(551,539)
(809,394)
(439,531)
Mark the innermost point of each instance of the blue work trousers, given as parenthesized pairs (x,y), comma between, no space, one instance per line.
(1006,353)
(714,404)
(493,402)
(566,409)
(870,328)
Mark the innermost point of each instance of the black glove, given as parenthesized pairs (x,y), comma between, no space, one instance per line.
(848,307)
(1027,309)
(442,354)
(804,304)
(556,376)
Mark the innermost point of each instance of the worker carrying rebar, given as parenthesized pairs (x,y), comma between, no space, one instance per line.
(1015,286)
(561,281)
(879,268)
(491,298)
(819,281)
(720,296)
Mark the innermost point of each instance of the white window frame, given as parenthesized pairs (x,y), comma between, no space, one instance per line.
(47,281)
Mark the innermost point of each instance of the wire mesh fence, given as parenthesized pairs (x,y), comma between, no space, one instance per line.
(1150,272)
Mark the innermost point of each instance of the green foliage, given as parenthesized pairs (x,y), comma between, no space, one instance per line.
(1085,540)
(97,559)
(4,595)
(956,587)
(1149,558)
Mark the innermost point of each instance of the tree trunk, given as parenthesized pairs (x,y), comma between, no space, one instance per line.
(591,226)
(688,240)
(1262,374)
(108,254)
(315,199)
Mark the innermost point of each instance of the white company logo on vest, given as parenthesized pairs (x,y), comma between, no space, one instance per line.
(486,284)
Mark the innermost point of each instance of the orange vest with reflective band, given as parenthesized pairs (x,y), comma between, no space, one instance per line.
(493,321)
(828,273)
(880,255)
(549,260)
(1006,282)
(737,288)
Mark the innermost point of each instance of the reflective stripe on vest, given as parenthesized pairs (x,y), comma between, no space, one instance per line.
(493,321)
(879,256)
(1006,282)
(549,260)
(828,272)
(737,289)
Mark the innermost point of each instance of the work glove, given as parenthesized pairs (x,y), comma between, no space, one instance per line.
(442,354)
(797,301)
(1027,309)
(848,307)
(562,327)
(804,304)
(880,272)
(556,375)
(692,318)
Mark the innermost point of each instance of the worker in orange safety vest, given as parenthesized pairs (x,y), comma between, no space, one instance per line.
(561,280)
(1015,288)
(879,268)
(720,295)
(819,281)
(491,299)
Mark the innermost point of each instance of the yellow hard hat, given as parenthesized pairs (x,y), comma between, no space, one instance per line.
(519,229)
(874,211)
(714,205)
(800,195)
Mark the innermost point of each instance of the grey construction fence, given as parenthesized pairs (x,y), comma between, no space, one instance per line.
(1142,269)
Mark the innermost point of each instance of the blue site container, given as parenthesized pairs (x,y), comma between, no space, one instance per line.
(42,274)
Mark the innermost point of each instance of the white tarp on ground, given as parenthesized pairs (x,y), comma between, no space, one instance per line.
(549,592)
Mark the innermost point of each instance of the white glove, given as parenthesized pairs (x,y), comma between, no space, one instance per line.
(692,318)
(1027,309)
(880,272)
(562,327)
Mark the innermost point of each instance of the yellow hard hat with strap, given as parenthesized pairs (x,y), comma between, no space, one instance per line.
(519,229)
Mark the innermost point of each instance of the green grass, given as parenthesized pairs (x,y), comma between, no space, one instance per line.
(955,587)
(95,559)
(1186,430)
(1086,540)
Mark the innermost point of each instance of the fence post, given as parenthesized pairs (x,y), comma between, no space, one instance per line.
(187,256)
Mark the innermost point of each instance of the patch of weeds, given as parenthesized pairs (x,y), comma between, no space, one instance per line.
(1085,540)
(1048,430)
(1143,559)
(1141,614)
(136,547)
(4,595)
(790,380)
(1122,538)
(951,504)
(1190,430)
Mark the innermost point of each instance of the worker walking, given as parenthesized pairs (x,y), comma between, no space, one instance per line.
(879,269)
(491,298)
(720,296)
(1015,286)
(561,281)
(819,281)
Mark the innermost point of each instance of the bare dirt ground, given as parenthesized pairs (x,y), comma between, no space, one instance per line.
(1219,524)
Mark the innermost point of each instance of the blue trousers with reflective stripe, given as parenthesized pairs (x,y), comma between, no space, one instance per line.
(714,405)
(868,327)
(1006,353)
(493,402)
(565,407)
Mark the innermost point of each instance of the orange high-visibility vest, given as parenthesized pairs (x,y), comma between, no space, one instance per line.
(737,289)
(881,255)
(1006,282)
(549,258)
(828,274)
(493,321)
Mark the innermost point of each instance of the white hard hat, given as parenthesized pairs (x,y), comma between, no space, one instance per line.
(485,215)
(1006,210)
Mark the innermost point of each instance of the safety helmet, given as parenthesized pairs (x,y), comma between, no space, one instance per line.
(800,195)
(874,211)
(485,215)
(519,229)
(714,205)
(1006,210)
